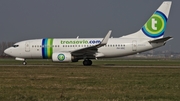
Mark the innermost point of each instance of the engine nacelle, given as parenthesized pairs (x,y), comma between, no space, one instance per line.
(62,57)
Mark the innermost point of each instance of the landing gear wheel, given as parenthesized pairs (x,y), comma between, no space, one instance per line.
(87,62)
(24,63)
(90,62)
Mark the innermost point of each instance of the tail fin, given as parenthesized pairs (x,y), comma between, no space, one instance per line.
(155,27)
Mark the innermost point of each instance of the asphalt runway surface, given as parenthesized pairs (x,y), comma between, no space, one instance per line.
(91,66)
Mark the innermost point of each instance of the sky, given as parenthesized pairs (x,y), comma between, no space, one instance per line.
(32,19)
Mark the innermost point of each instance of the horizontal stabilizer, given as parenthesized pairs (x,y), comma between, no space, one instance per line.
(165,39)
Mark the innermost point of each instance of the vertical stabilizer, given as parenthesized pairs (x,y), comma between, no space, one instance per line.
(155,27)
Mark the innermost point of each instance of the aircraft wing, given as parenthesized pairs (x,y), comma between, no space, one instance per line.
(92,49)
(164,39)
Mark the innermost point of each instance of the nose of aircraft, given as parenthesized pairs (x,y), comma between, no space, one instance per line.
(7,51)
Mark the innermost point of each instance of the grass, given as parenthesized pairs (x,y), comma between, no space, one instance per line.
(74,82)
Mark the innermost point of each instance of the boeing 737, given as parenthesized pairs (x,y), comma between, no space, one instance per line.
(149,37)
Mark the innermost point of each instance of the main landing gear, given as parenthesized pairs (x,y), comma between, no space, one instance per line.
(87,62)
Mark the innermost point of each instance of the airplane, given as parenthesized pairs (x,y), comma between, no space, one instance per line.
(149,37)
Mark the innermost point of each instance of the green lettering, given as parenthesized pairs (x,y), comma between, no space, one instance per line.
(62,42)
(67,42)
(74,42)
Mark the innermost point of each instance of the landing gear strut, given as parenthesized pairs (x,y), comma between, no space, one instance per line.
(87,62)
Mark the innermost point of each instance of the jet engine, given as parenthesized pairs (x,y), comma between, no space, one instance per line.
(62,57)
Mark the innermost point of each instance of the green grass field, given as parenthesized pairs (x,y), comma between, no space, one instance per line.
(73,82)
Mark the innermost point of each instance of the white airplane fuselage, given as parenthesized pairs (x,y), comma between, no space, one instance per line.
(116,47)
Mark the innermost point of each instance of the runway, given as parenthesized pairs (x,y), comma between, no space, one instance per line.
(75,66)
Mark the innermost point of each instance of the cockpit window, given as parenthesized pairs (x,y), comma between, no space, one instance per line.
(15,46)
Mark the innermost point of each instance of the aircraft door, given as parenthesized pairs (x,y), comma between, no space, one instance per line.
(27,46)
(134,45)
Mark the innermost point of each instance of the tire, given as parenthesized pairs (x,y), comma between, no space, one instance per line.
(87,62)
(24,63)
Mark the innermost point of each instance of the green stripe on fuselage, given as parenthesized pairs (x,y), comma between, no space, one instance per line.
(47,48)
(50,48)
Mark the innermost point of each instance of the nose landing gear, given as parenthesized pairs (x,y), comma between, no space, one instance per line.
(21,59)
(87,62)
(24,63)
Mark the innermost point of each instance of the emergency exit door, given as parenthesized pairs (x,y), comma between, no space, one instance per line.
(27,46)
